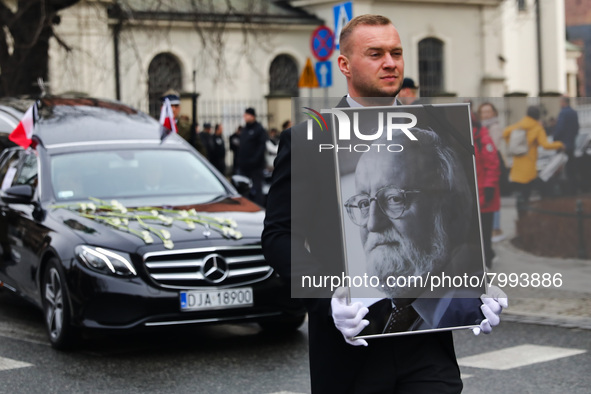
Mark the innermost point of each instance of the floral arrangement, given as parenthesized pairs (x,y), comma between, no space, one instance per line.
(116,215)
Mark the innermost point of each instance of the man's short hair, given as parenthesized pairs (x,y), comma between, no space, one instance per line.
(566,100)
(361,20)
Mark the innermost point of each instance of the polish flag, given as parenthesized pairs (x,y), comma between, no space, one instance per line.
(167,119)
(23,133)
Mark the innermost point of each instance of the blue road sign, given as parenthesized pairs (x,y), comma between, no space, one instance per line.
(343,13)
(324,73)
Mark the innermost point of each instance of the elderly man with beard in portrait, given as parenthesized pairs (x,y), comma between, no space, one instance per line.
(413,209)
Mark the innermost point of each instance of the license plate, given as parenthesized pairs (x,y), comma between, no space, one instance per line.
(196,300)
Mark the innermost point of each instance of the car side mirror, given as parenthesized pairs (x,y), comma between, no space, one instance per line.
(242,183)
(18,194)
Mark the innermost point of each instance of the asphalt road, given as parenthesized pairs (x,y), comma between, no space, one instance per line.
(516,358)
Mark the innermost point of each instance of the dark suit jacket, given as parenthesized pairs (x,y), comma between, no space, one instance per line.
(335,366)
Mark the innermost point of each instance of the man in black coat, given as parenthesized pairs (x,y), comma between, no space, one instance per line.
(206,139)
(251,161)
(235,148)
(218,153)
(297,232)
(566,131)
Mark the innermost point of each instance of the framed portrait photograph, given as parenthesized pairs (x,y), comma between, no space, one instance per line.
(410,220)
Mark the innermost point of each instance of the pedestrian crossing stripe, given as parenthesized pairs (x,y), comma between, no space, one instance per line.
(517,356)
(286,392)
(7,363)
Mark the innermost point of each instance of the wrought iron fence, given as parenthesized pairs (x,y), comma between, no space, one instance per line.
(229,113)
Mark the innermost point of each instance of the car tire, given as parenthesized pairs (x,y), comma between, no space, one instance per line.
(56,307)
(285,324)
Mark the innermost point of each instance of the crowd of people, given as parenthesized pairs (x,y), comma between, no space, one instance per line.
(507,161)
(499,171)
(253,148)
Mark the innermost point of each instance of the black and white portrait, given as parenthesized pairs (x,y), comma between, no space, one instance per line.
(410,219)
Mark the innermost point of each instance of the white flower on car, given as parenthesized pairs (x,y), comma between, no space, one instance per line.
(166,219)
(118,216)
(165,233)
(147,237)
(118,206)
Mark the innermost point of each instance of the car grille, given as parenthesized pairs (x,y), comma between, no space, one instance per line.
(207,267)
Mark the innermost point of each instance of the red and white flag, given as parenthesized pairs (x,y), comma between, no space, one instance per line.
(23,133)
(167,119)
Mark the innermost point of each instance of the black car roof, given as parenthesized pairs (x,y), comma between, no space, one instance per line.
(84,120)
(9,118)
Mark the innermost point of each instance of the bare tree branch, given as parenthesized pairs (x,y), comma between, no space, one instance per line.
(62,43)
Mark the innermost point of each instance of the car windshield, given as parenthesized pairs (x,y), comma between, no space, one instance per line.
(169,177)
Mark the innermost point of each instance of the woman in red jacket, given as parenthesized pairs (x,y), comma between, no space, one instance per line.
(488,172)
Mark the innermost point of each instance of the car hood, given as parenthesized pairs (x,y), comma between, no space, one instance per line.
(247,216)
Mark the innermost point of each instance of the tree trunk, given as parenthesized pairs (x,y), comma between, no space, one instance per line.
(31,28)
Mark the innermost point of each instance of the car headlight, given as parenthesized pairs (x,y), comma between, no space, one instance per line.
(105,261)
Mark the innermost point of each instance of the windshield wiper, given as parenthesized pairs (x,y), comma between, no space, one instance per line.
(218,197)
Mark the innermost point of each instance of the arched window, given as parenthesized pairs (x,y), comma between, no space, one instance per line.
(431,67)
(283,77)
(164,73)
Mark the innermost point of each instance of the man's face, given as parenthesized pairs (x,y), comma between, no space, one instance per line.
(414,243)
(176,110)
(373,63)
(407,95)
(248,118)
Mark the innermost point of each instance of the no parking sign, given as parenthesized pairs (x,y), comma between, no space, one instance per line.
(322,43)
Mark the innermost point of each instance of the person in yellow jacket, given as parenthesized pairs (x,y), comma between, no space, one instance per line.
(524,170)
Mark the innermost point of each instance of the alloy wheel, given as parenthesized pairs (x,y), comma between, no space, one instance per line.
(54,303)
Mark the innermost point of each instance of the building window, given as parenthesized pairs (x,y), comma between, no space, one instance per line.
(283,77)
(164,73)
(431,67)
(522,5)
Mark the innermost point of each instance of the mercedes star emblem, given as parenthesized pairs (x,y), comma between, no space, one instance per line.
(214,268)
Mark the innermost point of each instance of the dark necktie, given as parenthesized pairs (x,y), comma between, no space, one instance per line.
(403,315)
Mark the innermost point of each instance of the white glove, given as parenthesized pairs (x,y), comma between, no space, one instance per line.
(348,319)
(492,306)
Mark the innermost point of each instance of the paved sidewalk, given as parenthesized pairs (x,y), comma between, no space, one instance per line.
(568,305)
